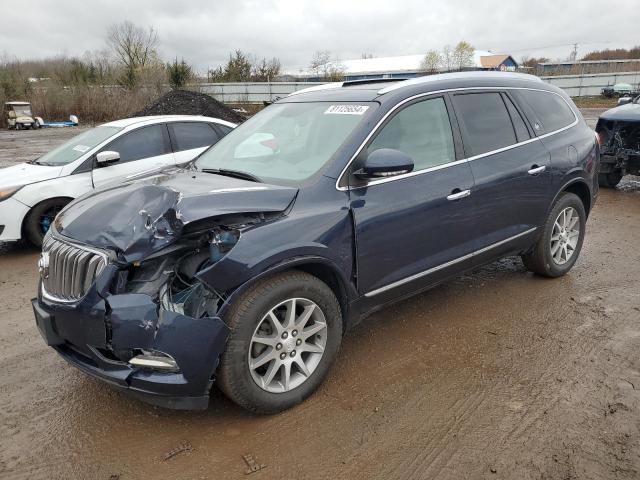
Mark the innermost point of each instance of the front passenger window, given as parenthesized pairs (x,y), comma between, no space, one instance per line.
(144,142)
(422,131)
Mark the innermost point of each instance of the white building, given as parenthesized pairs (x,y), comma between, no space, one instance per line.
(404,66)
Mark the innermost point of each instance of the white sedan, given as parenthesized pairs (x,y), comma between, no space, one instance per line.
(31,194)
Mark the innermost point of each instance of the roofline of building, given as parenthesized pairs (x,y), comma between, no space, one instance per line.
(583,62)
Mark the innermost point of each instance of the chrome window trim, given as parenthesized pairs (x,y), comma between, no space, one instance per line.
(442,266)
(457,162)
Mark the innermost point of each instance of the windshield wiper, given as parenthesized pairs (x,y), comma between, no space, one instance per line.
(37,162)
(232,173)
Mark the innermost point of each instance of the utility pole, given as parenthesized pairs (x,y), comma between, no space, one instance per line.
(574,54)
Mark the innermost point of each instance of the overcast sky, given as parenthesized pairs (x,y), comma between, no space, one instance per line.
(205,31)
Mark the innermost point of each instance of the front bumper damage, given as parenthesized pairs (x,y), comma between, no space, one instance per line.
(87,333)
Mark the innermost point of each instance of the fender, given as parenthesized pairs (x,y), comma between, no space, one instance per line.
(347,285)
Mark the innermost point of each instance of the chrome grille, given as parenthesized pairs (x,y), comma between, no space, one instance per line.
(69,270)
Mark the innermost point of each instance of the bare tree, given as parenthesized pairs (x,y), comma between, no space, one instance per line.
(320,62)
(431,62)
(447,58)
(325,68)
(265,70)
(463,55)
(134,46)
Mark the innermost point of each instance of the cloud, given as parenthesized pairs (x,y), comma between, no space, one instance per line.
(203,32)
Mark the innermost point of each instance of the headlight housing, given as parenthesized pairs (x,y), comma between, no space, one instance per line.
(6,192)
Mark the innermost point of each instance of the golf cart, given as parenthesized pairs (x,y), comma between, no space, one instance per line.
(19,115)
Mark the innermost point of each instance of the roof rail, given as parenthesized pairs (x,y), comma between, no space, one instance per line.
(365,81)
(440,76)
(315,88)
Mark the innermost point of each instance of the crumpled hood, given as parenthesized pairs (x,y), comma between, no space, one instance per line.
(26,173)
(143,216)
(624,113)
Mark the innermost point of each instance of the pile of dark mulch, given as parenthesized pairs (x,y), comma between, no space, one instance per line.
(183,102)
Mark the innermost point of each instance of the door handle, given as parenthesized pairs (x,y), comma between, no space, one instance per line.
(535,170)
(457,195)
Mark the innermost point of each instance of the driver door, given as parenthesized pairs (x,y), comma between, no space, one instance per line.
(144,149)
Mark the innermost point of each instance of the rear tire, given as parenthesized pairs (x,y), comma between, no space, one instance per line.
(610,179)
(255,388)
(547,257)
(40,218)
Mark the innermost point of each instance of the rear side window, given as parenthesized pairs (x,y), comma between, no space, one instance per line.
(144,142)
(485,122)
(518,123)
(551,109)
(188,135)
(422,131)
(224,129)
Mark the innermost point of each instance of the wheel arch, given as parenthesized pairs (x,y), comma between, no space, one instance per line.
(26,217)
(319,267)
(581,189)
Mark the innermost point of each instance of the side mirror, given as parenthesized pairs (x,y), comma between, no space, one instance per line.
(107,157)
(385,162)
(624,100)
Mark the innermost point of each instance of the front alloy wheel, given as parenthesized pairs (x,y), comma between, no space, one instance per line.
(285,334)
(287,345)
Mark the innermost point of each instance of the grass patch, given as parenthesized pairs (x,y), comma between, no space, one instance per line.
(595,102)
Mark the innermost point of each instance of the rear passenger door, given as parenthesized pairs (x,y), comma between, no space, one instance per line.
(190,139)
(510,168)
(143,149)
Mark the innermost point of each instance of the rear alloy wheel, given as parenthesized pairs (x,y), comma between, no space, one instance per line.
(285,334)
(558,247)
(565,236)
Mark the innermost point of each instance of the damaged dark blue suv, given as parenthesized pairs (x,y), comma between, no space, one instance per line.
(247,268)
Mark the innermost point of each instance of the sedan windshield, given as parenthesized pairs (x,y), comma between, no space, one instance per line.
(77,146)
(286,142)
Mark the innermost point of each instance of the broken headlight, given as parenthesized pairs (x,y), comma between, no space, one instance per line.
(183,293)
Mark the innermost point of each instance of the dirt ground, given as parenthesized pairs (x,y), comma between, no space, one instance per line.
(499,374)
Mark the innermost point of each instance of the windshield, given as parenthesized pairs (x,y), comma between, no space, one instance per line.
(286,142)
(22,110)
(77,146)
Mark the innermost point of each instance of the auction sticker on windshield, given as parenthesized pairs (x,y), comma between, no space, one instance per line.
(346,109)
(81,148)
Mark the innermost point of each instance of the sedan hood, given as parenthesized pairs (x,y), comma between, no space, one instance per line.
(26,173)
(143,216)
(624,113)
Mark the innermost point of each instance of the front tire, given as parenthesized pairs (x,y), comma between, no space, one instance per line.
(41,217)
(285,334)
(557,249)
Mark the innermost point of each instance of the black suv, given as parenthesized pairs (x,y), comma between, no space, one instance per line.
(246,268)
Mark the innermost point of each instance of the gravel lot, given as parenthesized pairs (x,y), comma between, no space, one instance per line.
(499,374)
